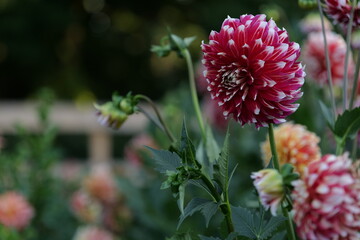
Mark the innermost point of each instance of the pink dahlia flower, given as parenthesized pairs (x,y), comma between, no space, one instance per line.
(339,12)
(85,208)
(92,233)
(294,144)
(252,70)
(269,184)
(314,58)
(101,185)
(312,23)
(15,211)
(327,201)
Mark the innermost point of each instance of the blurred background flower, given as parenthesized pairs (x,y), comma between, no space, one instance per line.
(314,58)
(295,145)
(15,210)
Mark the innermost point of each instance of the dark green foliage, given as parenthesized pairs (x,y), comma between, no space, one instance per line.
(255,225)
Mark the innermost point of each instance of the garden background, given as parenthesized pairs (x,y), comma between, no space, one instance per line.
(80,52)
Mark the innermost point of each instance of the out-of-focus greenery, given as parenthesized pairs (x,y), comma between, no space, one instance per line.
(88,48)
(28,168)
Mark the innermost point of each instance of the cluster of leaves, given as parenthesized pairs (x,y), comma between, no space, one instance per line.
(209,170)
(346,125)
(170,43)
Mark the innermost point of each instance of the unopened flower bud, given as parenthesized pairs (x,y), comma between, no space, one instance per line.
(269,184)
(110,116)
(126,106)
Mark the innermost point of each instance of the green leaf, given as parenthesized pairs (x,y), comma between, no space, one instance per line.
(271,226)
(182,236)
(232,174)
(231,236)
(279,236)
(187,148)
(177,42)
(165,160)
(222,174)
(206,207)
(347,124)
(328,115)
(208,238)
(244,222)
(254,225)
(212,148)
(161,51)
(200,183)
(181,197)
(189,40)
(209,211)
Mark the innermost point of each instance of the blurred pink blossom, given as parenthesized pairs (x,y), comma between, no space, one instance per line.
(101,185)
(314,58)
(92,233)
(15,210)
(85,208)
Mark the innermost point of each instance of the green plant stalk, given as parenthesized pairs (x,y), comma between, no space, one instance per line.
(354,148)
(348,38)
(340,147)
(355,83)
(157,112)
(194,95)
(290,227)
(328,64)
(225,208)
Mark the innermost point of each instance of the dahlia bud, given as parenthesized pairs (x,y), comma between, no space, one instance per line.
(126,106)
(110,116)
(114,113)
(269,184)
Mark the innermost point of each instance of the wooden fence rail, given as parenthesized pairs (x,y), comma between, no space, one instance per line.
(69,118)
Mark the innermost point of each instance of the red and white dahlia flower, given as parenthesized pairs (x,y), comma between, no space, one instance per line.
(15,210)
(252,70)
(314,57)
(327,200)
(339,12)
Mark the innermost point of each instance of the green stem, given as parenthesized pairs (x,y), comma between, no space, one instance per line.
(273,147)
(225,208)
(355,83)
(354,148)
(290,227)
(328,64)
(157,112)
(348,38)
(340,148)
(194,95)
